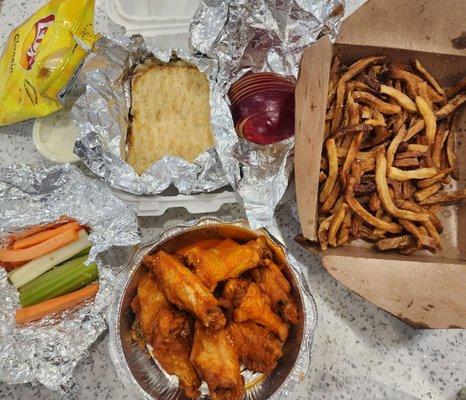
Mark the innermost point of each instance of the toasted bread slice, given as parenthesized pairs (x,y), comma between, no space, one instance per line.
(170,114)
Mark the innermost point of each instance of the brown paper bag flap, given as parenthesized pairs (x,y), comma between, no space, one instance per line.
(425,25)
(423,294)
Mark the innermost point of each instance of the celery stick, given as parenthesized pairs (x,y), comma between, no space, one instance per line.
(64,279)
(34,268)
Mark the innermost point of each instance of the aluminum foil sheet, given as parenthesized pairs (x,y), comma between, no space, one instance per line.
(141,374)
(47,351)
(240,36)
(102,116)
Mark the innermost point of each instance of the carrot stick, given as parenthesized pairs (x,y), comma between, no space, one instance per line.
(52,244)
(49,307)
(43,236)
(40,228)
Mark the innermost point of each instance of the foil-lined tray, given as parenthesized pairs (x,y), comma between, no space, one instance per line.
(141,374)
(102,142)
(47,351)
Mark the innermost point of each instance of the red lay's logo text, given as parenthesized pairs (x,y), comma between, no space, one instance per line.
(32,41)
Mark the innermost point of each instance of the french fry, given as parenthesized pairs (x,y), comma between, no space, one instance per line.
(407,189)
(336,224)
(343,234)
(353,111)
(393,147)
(429,118)
(440,137)
(434,179)
(428,77)
(411,206)
(382,188)
(406,162)
(352,152)
(367,234)
(427,192)
(454,90)
(332,198)
(421,148)
(354,70)
(366,112)
(364,214)
(420,173)
(375,102)
(409,154)
(371,81)
(402,100)
(414,129)
(337,205)
(358,85)
(451,154)
(352,129)
(422,90)
(451,106)
(445,198)
(381,134)
(356,223)
(397,242)
(374,122)
(323,231)
(374,202)
(394,71)
(332,170)
(379,232)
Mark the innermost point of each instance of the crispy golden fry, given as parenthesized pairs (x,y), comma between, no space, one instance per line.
(427,192)
(429,119)
(273,283)
(367,234)
(337,205)
(330,202)
(421,148)
(451,153)
(336,223)
(221,263)
(445,198)
(432,231)
(332,170)
(398,242)
(454,90)
(352,152)
(411,206)
(356,171)
(440,137)
(254,307)
(353,111)
(406,162)
(403,100)
(421,235)
(215,359)
(258,350)
(357,85)
(375,102)
(451,106)
(356,222)
(364,214)
(434,179)
(428,77)
(345,131)
(374,122)
(354,70)
(393,147)
(382,188)
(379,233)
(420,173)
(343,234)
(322,232)
(414,129)
(184,289)
(422,90)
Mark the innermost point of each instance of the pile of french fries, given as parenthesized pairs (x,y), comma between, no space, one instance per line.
(389,151)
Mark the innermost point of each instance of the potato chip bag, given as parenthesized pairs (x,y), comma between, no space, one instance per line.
(42,57)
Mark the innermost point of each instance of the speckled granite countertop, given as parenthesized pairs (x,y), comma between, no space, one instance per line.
(359,351)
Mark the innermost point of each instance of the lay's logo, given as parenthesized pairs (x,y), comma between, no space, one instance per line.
(32,41)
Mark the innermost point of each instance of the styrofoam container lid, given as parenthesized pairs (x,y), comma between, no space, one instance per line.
(54,137)
(153,18)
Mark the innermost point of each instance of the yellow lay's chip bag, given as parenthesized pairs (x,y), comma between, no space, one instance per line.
(42,57)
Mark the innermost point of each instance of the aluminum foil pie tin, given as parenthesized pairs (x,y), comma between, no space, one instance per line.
(141,374)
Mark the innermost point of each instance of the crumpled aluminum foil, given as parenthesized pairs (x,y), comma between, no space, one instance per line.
(47,351)
(102,116)
(240,36)
(146,382)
